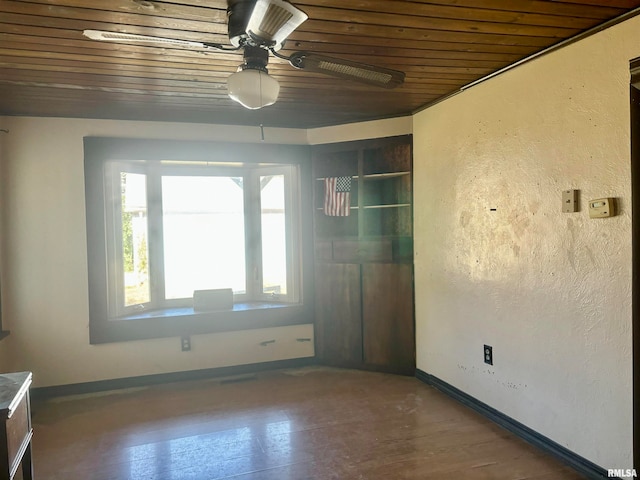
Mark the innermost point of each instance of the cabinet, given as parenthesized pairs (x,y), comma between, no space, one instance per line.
(364,260)
(15,427)
(269,344)
(338,313)
(387,312)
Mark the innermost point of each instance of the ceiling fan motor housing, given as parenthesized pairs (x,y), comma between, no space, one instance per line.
(238,14)
(255,58)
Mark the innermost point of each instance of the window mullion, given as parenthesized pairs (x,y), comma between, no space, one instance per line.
(253,236)
(291,220)
(156,238)
(114,243)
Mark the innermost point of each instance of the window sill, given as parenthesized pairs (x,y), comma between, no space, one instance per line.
(174,322)
(190,312)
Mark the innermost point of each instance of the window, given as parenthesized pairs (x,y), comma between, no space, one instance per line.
(181,228)
(165,219)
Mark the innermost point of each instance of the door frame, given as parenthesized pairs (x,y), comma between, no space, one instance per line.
(635,247)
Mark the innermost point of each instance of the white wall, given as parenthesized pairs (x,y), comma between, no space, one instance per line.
(389,127)
(45,294)
(45,255)
(550,291)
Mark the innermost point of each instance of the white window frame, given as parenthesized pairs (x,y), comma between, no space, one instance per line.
(154,171)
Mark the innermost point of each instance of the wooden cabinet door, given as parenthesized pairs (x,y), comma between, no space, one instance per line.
(338,313)
(388,323)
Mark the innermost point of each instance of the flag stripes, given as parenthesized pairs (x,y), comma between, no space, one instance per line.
(337,196)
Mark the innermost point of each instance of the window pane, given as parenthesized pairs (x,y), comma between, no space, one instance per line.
(134,238)
(274,238)
(203,226)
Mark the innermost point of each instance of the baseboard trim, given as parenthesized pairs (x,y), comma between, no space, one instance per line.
(44,393)
(578,463)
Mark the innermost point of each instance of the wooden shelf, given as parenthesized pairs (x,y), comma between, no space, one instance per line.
(350,208)
(382,176)
(372,176)
(394,205)
(367,207)
(353,177)
(380,191)
(364,270)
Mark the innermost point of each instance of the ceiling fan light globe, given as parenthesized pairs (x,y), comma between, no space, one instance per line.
(253,89)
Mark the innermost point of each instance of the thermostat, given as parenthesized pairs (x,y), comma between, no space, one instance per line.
(602,208)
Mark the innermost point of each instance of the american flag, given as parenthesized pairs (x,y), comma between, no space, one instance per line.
(337,196)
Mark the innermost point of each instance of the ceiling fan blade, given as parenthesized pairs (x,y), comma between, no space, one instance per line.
(272,21)
(360,72)
(105,36)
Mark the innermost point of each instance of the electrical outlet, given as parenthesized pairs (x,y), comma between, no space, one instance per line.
(186,343)
(488,354)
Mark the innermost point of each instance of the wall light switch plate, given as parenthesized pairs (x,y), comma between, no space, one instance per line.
(570,201)
(602,208)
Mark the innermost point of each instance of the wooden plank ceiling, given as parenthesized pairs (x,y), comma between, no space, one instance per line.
(47,68)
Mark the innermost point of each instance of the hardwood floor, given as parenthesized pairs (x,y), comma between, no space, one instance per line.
(308,423)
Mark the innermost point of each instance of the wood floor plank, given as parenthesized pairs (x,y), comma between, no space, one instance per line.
(310,423)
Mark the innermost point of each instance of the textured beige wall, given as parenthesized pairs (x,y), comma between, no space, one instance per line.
(550,291)
(45,256)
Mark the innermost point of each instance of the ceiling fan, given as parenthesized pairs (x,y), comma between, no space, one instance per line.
(260,27)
